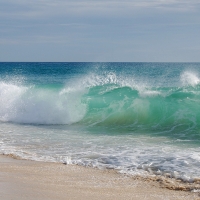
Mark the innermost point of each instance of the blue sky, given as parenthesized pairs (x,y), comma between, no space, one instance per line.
(100,30)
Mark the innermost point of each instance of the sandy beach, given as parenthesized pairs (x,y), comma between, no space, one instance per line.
(24,179)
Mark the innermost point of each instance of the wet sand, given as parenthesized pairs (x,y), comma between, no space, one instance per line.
(31,180)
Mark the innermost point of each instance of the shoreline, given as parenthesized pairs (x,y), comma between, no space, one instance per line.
(26,179)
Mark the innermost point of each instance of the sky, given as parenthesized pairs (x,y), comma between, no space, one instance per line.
(100,30)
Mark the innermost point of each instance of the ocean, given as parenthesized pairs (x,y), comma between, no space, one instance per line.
(137,118)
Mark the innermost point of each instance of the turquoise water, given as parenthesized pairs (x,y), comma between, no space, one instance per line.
(138,118)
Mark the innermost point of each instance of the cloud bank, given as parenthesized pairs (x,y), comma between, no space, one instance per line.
(99,30)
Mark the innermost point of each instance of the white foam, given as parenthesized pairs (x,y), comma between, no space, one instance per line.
(126,153)
(10,96)
(189,78)
(31,105)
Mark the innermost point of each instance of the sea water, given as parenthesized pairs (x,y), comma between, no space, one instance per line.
(137,118)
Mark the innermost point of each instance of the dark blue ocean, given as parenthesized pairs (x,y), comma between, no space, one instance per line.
(137,118)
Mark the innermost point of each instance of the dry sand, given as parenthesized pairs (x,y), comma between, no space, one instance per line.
(28,180)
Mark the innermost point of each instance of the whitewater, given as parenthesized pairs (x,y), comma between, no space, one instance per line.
(137,118)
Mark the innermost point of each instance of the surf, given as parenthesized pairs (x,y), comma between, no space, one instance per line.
(106,101)
(137,118)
